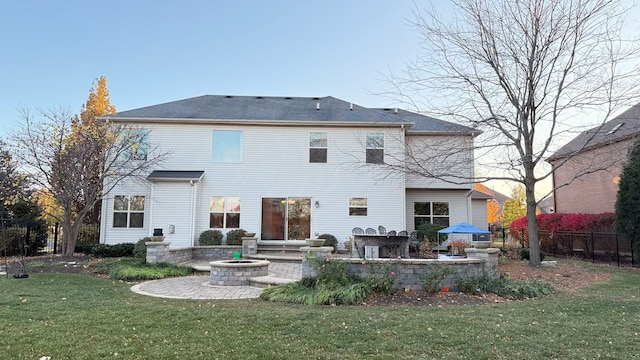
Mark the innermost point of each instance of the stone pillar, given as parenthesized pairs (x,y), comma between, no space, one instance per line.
(157,252)
(490,258)
(249,246)
(319,252)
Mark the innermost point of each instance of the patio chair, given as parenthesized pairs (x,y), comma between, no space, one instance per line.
(403,233)
(391,233)
(382,230)
(370,231)
(357,231)
(414,238)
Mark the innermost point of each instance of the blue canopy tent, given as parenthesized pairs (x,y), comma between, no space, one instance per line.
(460,228)
(463,228)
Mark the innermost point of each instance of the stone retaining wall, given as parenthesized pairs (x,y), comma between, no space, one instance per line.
(408,273)
(237,272)
(158,252)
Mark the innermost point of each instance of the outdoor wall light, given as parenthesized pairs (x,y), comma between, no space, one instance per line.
(317,204)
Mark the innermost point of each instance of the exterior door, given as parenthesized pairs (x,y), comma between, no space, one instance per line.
(286,218)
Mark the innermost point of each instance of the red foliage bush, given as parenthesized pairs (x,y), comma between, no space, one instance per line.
(603,222)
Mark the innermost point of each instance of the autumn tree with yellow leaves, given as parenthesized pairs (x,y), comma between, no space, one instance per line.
(79,160)
(98,104)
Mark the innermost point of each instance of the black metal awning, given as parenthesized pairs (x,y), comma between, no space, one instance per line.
(175,175)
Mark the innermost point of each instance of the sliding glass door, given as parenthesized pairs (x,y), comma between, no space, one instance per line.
(286,218)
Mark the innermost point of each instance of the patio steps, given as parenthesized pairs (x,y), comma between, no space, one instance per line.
(288,253)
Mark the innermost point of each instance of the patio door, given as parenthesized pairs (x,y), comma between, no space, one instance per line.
(286,218)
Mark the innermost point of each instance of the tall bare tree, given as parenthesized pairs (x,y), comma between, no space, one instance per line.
(530,74)
(65,165)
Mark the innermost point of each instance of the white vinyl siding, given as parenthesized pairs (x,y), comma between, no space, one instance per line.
(440,155)
(457,200)
(275,164)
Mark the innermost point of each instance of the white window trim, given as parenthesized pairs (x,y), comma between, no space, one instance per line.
(224,211)
(365,207)
(129,211)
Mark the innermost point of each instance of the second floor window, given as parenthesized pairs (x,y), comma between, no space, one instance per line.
(133,144)
(227,146)
(318,147)
(375,148)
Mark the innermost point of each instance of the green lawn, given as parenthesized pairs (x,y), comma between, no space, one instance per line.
(81,317)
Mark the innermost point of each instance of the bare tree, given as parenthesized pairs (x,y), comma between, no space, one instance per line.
(529,74)
(62,159)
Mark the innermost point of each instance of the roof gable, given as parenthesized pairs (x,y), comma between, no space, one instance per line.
(622,127)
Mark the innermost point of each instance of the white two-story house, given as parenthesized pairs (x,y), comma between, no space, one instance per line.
(286,168)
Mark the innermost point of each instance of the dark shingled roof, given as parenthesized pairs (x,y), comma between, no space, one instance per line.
(479,195)
(622,127)
(172,175)
(284,109)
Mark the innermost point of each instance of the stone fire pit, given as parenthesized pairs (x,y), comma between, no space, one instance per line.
(237,272)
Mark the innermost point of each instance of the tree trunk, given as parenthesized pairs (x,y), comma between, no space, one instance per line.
(69,236)
(532,226)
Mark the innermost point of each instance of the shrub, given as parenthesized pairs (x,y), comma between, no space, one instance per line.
(506,287)
(133,270)
(234,237)
(85,248)
(433,280)
(117,250)
(140,249)
(329,240)
(524,254)
(330,286)
(210,238)
(430,232)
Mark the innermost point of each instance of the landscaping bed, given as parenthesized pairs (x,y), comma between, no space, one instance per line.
(565,276)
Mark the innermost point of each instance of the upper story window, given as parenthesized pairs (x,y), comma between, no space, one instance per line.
(134,144)
(430,213)
(375,148)
(318,147)
(227,146)
(128,211)
(224,212)
(357,206)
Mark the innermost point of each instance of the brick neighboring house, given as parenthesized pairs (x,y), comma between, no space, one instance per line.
(596,157)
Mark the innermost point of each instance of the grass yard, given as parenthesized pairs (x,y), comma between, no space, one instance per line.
(71,316)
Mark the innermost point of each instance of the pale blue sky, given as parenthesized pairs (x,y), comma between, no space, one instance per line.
(157,51)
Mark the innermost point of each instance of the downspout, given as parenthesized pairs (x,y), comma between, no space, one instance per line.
(192,213)
(153,187)
(103,219)
(404,180)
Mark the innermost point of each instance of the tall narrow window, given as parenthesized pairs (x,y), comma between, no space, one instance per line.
(357,206)
(227,146)
(128,211)
(224,212)
(318,147)
(375,148)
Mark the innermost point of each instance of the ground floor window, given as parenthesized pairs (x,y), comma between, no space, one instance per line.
(224,212)
(286,218)
(128,211)
(357,206)
(430,213)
